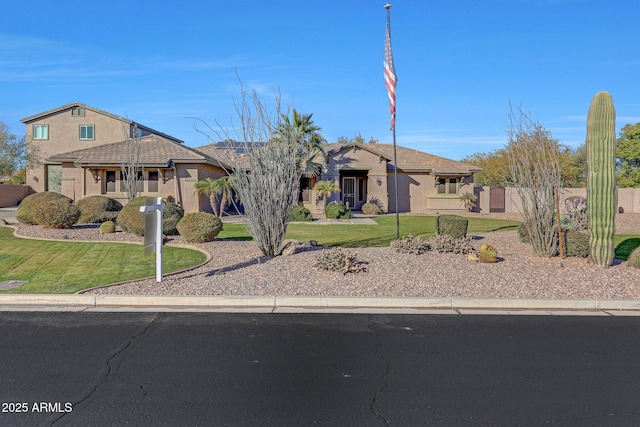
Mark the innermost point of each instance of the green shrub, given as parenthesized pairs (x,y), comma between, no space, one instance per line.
(97,209)
(577,243)
(337,210)
(452,225)
(171,215)
(523,233)
(371,208)
(199,227)
(59,212)
(131,219)
(300,213)
(24,214)
(634,258)
(487,253)
(107,227)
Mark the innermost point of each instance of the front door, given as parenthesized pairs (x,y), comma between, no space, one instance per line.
(349,191)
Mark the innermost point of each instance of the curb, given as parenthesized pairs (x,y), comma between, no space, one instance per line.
(284,304)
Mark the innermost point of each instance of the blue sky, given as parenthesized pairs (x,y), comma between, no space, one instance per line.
(459,64)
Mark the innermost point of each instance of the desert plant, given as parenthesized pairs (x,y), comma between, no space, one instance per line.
(337,210)
(371,208)
(523,233)
(338,259)
(601,178)
(411,245)
(447,243)
(24,213)
(301,214)
(487,253)
(468,200)
(452,225)
(569,223)
(577,243)
(107,227)
(536,173)
(576,208)
(97,209)
(634,258)
(199,227)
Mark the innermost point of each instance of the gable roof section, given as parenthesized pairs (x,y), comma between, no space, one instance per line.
(155,151)
(409,160)
(62,108)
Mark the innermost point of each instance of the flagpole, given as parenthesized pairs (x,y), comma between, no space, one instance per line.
(393,120)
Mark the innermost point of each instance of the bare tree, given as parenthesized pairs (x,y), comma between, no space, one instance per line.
(131,166)
(266,167)
(536,173)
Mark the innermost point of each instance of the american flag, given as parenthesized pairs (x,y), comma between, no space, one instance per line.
(390,78)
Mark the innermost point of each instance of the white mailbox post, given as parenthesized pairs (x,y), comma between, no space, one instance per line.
(153,231)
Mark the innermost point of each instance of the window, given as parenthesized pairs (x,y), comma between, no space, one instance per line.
(447,185)
(40,131)
(139,182)
(86,133)
(152,184)
(77,111)
(111,181)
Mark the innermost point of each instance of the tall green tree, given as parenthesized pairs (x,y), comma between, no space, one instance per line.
(628,156)
(301,129)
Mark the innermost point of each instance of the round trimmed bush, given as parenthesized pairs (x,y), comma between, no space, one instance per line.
(107,227)
(171,215)
(337,210)
(98,209)
(371,208)
(199,227)
(634,258)
(55,211)
(300,213)
(131,219)
(25,211)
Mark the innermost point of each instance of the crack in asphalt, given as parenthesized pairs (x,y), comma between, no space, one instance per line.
(113,365)
(385,383)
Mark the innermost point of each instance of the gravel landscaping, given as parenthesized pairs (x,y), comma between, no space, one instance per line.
(237,268)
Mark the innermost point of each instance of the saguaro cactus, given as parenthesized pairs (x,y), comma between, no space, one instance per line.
(601,178)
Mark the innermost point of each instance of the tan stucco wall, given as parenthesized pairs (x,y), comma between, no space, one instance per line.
(64,136)
(360,160)
(12,194)
(628,198)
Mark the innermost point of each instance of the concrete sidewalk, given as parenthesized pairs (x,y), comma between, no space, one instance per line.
(284,304)
(9,214)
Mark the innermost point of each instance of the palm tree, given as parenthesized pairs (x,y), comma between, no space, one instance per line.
(207,187)
(226,189)
(324,189)
(220,191)
(301,129)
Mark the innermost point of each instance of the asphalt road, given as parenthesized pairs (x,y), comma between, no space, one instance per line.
(288,370)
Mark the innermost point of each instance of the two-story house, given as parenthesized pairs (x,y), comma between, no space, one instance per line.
(82,150)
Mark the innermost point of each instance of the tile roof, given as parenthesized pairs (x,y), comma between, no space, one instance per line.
(154,151)
(409,160)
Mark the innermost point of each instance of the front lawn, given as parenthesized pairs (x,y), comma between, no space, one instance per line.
(68,267)
(357,235)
